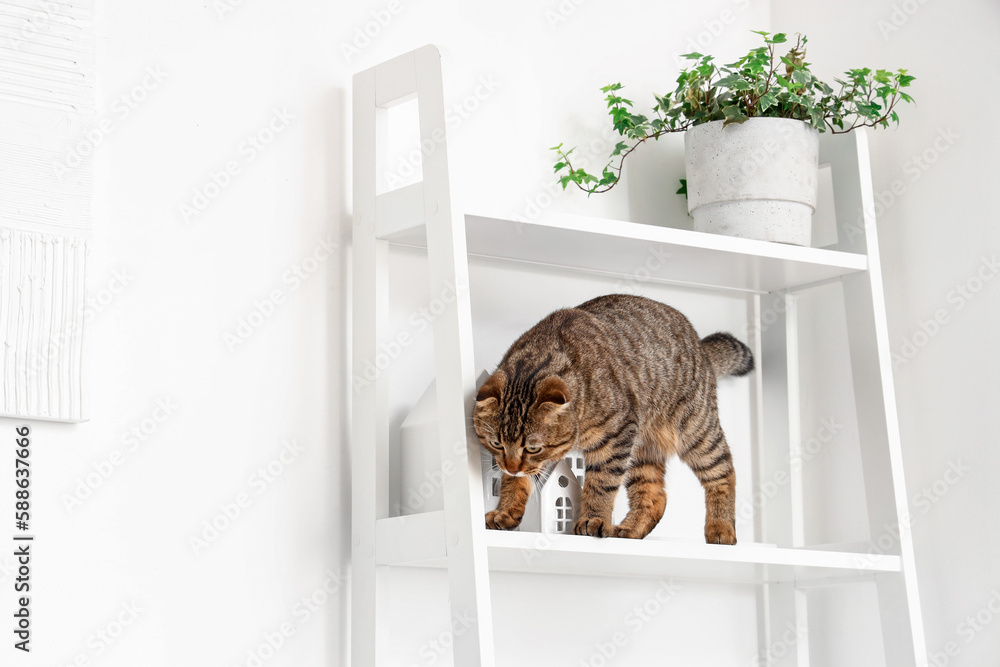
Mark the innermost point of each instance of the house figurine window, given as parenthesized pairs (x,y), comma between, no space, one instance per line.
(577,465)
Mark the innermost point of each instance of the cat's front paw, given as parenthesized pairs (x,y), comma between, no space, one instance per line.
(594,526)
(628,533)
(501,520)
(720,532)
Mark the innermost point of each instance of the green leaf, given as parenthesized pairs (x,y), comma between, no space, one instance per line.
(816,115)
(727,81)
(733,115)
(779,38)
(767,100)
(683,190)
(560,166)
(694,55)
(870,110)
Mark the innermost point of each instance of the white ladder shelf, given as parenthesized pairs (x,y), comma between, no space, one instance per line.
(456,538)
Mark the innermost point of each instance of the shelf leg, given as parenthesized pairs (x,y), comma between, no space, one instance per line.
(447,258)
(881,457)
(783,639)
(875,399)
(370,388)
(369,451)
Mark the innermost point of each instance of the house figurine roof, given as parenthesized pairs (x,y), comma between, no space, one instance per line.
(424,411)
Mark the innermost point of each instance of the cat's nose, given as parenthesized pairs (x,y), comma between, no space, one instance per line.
(511,464)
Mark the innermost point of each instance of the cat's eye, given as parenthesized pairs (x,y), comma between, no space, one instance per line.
(532,449)
(495,445)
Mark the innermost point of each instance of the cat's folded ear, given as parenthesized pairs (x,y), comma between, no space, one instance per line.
(492,387)
(551,392)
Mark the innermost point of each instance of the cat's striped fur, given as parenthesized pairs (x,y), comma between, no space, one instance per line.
(627,380)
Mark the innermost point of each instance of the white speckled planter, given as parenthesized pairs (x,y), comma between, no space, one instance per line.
(756,180)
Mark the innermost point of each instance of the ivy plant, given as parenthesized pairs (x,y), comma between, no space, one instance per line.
(763,83)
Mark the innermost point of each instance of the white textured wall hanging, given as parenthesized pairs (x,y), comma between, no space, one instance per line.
(47,106)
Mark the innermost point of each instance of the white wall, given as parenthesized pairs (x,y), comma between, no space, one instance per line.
(936,231)
(163,336)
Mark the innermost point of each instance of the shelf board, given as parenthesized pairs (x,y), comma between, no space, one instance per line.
(418,541)
(675,256)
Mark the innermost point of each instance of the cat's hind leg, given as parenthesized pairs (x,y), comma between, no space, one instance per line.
(709,457)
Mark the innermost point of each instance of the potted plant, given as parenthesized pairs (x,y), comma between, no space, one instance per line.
(751,136)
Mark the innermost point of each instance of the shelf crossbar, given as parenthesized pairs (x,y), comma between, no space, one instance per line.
(418,541)
(647,252)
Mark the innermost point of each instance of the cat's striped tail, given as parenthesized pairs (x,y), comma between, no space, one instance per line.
(728,355)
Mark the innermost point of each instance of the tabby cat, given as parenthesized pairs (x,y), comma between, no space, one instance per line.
(627,381)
